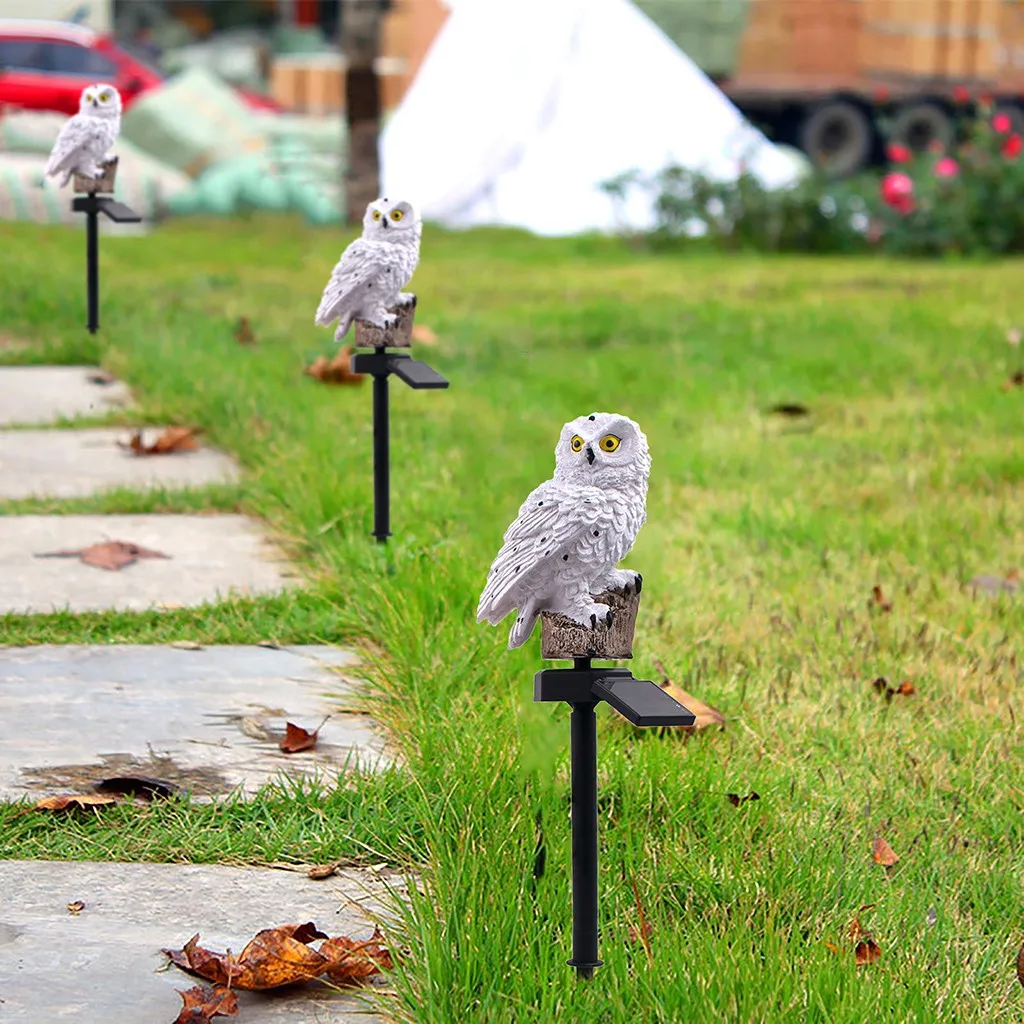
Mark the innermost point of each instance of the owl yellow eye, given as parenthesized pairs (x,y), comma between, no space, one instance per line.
(609,443)
(576,444)
(397,215)
(376,215)
(104,97)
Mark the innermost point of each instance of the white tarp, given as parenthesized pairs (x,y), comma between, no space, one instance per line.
(523,107)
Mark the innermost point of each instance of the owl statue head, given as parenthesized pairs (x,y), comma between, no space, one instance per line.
(391,221)
(100,101)
(603,449)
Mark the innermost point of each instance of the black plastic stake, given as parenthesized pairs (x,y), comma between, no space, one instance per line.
(418,375)
(643,703)
(92,205)
(381,459)
(583,755)
(92,265)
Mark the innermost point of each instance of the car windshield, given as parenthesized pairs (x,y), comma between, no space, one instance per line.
(140,56)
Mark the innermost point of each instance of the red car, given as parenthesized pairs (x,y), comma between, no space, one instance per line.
(45,65)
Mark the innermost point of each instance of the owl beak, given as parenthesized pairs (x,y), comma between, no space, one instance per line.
(385,223)
(590,455)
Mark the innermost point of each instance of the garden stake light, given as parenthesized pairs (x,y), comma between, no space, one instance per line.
(558,564)
(381,364)
(91,201)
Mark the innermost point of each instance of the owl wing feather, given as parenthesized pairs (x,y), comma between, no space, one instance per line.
(358,265)
(74,137)
(549,521)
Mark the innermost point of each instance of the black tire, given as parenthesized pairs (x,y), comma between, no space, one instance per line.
(838,137)
(918,125)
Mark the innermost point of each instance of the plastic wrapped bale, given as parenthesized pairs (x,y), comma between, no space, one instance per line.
(325,135)
(29,131)
(24,195)
(145,184)
(192,122)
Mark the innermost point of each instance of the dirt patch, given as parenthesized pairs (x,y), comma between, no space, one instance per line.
(81,778)
(10,343)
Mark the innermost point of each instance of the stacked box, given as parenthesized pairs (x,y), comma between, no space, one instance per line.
(767,45)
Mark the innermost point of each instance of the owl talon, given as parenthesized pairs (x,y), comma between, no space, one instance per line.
(593,622)
(639,583)
(609,618)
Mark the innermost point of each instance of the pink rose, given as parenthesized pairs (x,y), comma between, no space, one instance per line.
(947,167)
(1002,123)
(897,153)
(898,192)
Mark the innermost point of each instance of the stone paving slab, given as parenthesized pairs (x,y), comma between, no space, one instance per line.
(76,463)
(105,963)
(205,720)
(210,557)
(45,394)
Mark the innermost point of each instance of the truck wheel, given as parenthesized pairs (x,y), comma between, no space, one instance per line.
(838,137)
(918,125)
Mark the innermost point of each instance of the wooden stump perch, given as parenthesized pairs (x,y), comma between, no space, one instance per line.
(400,336)
(561,638)
(88,186)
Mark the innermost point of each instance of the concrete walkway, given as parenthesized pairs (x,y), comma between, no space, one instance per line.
(104,964)
(36,395)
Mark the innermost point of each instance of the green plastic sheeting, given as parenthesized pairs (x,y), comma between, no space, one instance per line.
(707,31)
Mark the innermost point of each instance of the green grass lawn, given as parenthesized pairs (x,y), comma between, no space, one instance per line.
(763,544)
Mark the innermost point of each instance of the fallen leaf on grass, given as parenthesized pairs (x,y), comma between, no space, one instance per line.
(881,685)
(865,950)
(170,442)
(736,800)
(73,802)
(137,785)
(202,1004)
(283,956)
(297,739)
(704,714)
(878,599)
(793,409)
(1020,965)
(336,370)
(643,932)
(423,334)
(111,555)
(243,332)
(1015,380)
(74,909)
(318,872)
(882,853)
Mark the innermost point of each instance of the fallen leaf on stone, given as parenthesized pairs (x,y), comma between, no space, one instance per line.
(137,785)
(271,645)
(243,332)
(185,645)
(172,441)
(336,370)
(704,714)
(111,555)
(284,956)
(102,378)
(878,599)
(203,1004)
(423,334)
(76,908)
(318,872)
(736,800)
(905,689)
(297,739)
(882,853)
(73,802)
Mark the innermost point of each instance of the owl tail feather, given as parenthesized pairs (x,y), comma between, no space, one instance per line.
(522,628)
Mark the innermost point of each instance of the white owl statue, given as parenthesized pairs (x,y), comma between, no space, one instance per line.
(373,270)
(83,143)
(572,530)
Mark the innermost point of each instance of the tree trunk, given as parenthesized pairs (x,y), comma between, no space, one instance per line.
(360,45)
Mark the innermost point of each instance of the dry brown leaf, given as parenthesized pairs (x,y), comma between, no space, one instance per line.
(318,872)
(73,802)
(704,714)
(185,645)
(297,739)
(202,1004)
(883,853)
(644,931)
(170,442)
(1020,965)
(1015,380)
(111,555)
(866,951)
(422,334)
(283,956)
(74,909)
(336,370)
(243,332)
(735,799)
(878,598)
